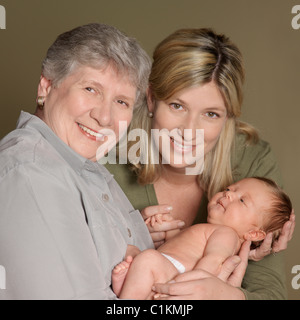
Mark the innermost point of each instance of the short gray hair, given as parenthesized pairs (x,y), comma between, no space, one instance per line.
(97,45)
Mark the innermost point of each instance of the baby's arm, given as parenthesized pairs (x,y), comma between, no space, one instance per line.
(221,244)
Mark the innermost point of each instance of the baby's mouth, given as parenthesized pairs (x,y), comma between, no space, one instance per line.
(221,204)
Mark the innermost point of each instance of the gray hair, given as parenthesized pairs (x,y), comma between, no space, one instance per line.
(97,45)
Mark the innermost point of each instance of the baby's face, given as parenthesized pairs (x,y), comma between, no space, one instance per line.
(240,206)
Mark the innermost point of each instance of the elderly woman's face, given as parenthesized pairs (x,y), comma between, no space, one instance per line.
(87,102)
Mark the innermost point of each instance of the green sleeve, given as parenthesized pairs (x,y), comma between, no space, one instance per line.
(264,280)
(254,160)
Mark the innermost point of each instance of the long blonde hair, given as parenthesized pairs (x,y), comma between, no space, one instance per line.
(187,58)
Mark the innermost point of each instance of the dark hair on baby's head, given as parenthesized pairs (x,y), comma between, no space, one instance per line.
(279,211)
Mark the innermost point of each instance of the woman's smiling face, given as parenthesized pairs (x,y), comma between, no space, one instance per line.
(87,107)
(199,107)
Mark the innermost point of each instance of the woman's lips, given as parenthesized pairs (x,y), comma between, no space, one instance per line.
(181,147)
(90,133)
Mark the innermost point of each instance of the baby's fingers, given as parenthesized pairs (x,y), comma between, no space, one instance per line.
(154,210)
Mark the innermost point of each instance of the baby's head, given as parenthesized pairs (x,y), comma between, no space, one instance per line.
(253,207)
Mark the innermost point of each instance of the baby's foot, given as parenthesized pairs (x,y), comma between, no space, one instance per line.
(119,274)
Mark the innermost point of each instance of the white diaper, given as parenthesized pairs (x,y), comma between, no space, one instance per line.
(178,265)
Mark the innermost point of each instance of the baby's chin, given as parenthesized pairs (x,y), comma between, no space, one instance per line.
(211,220)
(213,217)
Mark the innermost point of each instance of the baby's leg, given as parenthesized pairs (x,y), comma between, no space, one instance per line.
(147,268)
(119,274)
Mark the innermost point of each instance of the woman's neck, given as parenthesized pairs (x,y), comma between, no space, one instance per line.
(176,176)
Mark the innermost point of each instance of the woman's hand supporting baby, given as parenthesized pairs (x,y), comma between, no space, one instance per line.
(200,285)
(279,245)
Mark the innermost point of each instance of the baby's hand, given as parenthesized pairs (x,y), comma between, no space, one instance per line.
(158,228)
(158,218)
(119,274)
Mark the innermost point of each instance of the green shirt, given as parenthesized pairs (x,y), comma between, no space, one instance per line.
(263,280)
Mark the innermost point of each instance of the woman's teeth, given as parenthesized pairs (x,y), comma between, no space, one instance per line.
(180,146)
(91,132)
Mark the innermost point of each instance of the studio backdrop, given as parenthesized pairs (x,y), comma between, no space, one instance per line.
(267,32)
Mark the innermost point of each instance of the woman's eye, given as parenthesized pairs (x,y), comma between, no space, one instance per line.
(212,115)
(123,103)
(242,200)
(90,89)
(176,106)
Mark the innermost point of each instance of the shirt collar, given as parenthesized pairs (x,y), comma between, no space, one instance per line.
(75,160)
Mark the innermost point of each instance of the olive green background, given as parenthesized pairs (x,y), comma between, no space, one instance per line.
(261,29)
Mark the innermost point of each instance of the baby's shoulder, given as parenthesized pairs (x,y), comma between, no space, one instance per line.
(218,230)
(210,227)
(225,235)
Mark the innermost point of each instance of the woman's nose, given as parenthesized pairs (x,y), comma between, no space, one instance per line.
(187,131)
(102,114)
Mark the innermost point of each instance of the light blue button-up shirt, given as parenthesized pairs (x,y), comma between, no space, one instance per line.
(64,221)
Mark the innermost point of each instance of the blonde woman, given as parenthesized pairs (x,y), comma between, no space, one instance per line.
(196,84)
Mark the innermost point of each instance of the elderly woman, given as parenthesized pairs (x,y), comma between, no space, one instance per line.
(64,221)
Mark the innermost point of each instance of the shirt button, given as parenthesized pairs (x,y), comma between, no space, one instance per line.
(105,197)
(129,232)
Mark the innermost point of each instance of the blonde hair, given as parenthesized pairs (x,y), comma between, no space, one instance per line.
(187,58)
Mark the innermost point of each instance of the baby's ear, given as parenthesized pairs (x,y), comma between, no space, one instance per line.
(255,235)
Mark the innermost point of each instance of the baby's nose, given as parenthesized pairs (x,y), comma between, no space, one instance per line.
(228,195)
